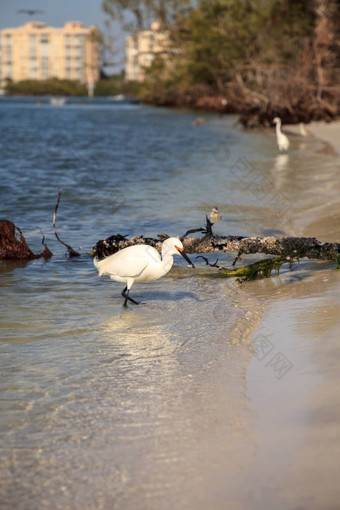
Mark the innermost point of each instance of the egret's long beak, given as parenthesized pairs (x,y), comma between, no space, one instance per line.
(185,256)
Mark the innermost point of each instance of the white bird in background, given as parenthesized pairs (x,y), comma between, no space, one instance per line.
(303,130)
(140,263)
(215,215)
(282,139)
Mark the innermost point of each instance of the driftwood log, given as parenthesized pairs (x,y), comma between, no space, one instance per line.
(287,248)
(283,249)
(296,247)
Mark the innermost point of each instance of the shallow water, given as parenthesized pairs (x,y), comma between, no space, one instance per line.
(146,407)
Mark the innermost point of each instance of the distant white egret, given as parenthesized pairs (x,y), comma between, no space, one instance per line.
(282,139)
(140,263)
(303,130)
(215,215)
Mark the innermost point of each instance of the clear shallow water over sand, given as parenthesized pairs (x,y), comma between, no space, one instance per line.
(156,406)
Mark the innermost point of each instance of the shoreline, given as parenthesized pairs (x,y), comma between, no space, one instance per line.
(323,221)
(328,132)
(298,412)
(217,105)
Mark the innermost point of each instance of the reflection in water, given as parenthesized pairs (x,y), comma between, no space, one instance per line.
(146,401)
(167,375)
(281,162)
(298,414)
(280,174)
(303,146)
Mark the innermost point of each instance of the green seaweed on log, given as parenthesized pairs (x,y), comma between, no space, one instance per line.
(261,269)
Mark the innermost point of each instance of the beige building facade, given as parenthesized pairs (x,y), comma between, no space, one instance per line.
(36,51)
(142,47)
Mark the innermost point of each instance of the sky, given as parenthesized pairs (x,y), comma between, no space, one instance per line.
(56,13)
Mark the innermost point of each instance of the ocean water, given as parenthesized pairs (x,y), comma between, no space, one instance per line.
(104,407)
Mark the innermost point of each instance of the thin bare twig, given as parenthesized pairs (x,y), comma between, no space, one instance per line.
(208,263)
(71,251)
(46,253)
(192,231)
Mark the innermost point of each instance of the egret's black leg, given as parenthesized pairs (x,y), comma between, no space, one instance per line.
(125,294)
(132,300)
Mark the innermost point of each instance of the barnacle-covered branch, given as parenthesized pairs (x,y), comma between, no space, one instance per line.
(286,246)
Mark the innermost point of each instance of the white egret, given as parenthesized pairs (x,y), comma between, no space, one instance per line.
(303,130)
(215,215)
(140,263)
(282,139)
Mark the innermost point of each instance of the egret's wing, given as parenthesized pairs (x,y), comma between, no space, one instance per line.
(128,264)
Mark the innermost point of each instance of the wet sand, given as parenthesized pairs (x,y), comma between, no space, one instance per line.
(293,380)
(329,132)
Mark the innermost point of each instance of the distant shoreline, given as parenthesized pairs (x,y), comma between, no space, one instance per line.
(253,111)
(214,104)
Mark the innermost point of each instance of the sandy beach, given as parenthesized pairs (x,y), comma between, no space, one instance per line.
(293,380)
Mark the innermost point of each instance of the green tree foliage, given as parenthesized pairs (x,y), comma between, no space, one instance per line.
(225,36)
(52,86)
(273,56)
(55,87)
(117,85)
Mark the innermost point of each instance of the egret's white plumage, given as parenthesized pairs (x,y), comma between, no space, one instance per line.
(140,263)
(215,215)
(281,138)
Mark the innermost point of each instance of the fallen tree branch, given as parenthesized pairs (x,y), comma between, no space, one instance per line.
(293,247)
(71,251)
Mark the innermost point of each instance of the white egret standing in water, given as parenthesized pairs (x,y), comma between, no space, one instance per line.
(303,130)
(281,138)
(140,263)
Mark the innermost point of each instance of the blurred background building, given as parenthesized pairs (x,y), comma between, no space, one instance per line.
(36,51)
(142,47)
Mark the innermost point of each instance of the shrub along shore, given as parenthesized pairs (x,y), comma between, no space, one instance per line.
(56,87)
(297,105)
(260,59)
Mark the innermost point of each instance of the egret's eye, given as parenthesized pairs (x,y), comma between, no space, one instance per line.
(178,248)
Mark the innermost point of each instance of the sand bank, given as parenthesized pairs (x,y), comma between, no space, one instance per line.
(328,132)
(293,379)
